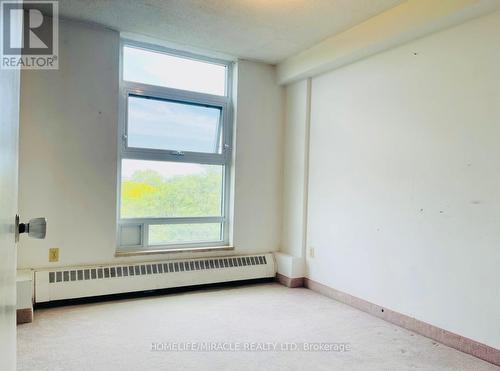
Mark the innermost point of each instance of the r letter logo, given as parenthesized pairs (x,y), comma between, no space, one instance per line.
(29,34)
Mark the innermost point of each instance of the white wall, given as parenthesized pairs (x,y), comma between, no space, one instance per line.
(68,154)
(295,168)
(259,148)
(404,180)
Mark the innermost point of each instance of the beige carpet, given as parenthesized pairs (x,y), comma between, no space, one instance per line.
(118,335)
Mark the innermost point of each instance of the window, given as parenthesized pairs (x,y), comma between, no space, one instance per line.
(175,150)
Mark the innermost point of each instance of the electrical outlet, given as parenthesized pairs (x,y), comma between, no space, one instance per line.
(311,252)
(54,254)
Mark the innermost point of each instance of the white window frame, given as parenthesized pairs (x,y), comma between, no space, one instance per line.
(128,88)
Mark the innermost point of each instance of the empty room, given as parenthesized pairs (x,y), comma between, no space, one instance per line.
(250,185)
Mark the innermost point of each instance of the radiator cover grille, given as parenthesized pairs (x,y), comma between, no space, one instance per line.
(153,268)
(75,282)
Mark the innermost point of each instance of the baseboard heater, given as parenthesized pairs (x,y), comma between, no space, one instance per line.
(85,281)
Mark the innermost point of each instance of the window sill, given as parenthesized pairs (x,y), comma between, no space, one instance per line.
(173,251)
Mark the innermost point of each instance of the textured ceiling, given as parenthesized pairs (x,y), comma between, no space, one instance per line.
(264,30)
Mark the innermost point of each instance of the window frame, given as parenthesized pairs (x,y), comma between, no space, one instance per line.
(128,88)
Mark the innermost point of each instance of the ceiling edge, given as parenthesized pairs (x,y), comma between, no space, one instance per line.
(401,24)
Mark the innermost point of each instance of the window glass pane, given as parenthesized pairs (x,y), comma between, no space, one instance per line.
(170,189)
(168,125)
(167,234)
(130,235)
(155,68)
